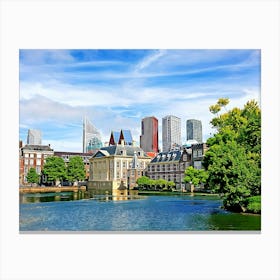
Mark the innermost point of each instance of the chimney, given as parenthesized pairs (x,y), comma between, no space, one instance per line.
(122,142)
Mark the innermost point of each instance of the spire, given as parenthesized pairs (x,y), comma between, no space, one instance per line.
(135,162)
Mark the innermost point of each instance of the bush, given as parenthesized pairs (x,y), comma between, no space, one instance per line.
(254,204)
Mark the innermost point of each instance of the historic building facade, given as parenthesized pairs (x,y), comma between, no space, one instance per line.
(170,166)
(198,152)
(32,156)
(116,168)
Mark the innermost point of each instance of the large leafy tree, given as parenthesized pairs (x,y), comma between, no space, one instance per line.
(195,176)
(76,169)
(54,169)
(32,177)
(233,161)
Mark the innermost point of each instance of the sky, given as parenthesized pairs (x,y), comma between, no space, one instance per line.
(115,89)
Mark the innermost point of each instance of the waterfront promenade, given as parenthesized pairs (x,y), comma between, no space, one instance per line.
(51,189)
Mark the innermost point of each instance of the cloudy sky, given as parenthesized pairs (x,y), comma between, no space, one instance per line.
(115,89)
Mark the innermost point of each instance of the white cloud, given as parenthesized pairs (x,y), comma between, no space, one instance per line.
(149,60)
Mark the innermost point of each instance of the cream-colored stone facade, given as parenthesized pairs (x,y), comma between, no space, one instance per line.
(110,171)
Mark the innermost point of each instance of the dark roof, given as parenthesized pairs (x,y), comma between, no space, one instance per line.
(119,150)
(37,147)
(73,154)
(167,156)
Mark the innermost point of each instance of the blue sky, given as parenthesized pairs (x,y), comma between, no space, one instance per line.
(115,89)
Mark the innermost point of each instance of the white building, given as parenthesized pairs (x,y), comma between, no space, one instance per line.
(171,133)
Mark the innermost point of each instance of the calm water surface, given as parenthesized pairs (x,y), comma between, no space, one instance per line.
(68,212)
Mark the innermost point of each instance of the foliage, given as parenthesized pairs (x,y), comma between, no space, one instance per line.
(195,176)
(143,181)
(76,169)
(254,204)
(233,160)
(32,176)
(54,169)
(159,184)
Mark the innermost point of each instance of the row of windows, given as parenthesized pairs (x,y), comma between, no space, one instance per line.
(26,169)
(32,155)
(31,162)
(197,153)
(177,178)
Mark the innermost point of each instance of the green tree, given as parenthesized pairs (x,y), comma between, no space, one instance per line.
(233,160)
(195,176)
(32,177)
(76,169)
(161,183)
(54,169)
(143,181)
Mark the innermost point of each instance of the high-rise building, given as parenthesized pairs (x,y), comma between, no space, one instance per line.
(34,137)
(149,134)
(90,135)
(171,133)
(194,130)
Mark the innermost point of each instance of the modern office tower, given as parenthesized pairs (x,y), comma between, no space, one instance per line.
(149,134)
(194,130)
(34,137)
(90,136)
(171,133)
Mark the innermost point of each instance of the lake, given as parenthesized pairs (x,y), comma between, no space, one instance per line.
(79,212)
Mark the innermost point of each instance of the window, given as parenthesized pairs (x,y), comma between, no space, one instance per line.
(26,155)
(26,161)
(38,169)
(118,164)
(31,162)
(124,164)
(39,155)
(32,155)
(38,162)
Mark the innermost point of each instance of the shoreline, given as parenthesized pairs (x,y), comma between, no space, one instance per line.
(51,189)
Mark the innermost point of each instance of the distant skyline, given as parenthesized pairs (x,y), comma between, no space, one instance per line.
(115,89)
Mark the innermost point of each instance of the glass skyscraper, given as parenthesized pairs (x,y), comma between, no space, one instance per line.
(91,137)
(194,130)
(34,137)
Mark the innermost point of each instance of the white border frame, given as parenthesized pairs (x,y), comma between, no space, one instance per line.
(131,24)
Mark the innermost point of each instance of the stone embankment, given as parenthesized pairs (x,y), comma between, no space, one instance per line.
(51,189)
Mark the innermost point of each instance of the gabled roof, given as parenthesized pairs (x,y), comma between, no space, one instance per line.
(126,136)
(118,150)
(114,138)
